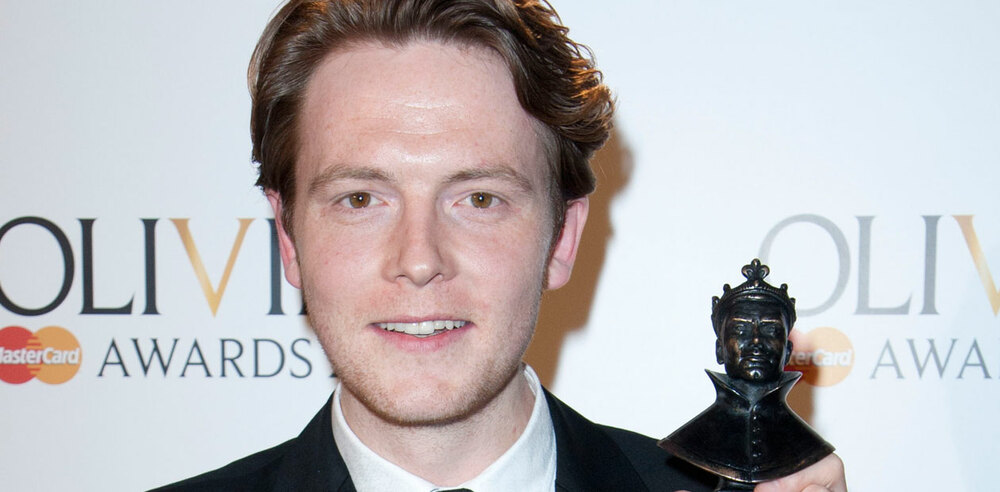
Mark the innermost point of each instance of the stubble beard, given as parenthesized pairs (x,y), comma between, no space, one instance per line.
(482,385)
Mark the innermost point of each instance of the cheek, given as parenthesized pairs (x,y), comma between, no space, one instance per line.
(503,278)
(778,344)
(332,268)
(507,261)
(736,345)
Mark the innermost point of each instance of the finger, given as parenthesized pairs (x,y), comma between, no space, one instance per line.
(816,488)
(826,475)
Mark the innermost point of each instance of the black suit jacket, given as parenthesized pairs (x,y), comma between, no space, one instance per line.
(590,457)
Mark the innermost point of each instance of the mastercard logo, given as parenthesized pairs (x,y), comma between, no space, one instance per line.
(824,356)
(51,354)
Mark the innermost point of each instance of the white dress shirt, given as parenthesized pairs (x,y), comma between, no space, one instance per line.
(529,465)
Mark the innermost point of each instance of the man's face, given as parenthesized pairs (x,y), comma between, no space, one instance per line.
(422,227)
(753,342)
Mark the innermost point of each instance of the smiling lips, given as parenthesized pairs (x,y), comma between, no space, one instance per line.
(422,328)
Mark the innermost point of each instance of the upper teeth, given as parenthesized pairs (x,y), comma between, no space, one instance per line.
(422,327)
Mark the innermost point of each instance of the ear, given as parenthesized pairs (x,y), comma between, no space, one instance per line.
(564,251)
(788,353)
(286,245)
(718,351)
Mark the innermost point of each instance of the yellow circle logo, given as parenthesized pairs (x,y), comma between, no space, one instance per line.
(824,355)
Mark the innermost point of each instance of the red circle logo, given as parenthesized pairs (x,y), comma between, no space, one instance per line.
(52,354)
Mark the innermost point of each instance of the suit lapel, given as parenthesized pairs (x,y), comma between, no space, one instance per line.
(586,458)
(314,463)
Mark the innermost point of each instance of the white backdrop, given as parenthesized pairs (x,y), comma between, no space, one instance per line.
(859,135)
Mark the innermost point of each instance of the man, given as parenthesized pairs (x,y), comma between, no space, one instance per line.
(428,164)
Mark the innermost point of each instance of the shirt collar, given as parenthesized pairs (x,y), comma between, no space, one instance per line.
(530,464)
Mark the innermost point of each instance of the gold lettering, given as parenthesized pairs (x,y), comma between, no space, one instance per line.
(212,295)
(965,222)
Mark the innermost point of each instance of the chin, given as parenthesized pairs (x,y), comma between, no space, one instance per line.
(435,408)
(754,374)
(410,402)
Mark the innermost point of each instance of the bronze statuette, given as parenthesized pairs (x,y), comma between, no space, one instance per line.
(750,435)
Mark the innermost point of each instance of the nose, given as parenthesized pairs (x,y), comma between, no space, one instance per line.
(755,333)
(417,255)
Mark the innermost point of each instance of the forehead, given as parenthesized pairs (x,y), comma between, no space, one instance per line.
(422,101)
(764,309)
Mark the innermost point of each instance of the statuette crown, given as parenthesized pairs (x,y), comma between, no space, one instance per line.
(754,289)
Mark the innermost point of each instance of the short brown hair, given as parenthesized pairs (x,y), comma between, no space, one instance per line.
(555,78)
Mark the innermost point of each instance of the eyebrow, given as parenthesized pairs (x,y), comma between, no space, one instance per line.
(340,172)
(501,172)
(763,319)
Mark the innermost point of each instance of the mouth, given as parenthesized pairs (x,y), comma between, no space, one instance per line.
(753,360)
(423,329)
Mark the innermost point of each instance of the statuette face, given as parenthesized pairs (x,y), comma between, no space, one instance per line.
(753,341)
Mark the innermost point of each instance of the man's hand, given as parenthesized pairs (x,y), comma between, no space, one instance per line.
(826,475)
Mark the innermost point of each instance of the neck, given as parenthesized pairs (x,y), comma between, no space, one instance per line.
(452,453)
